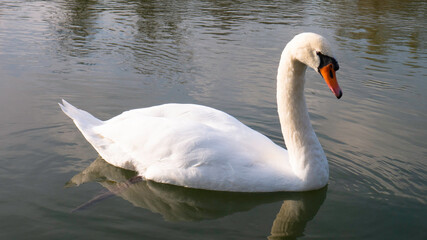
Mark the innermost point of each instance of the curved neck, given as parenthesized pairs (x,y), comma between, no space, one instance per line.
(305,152)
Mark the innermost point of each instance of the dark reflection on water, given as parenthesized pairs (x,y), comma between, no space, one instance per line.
(380,24)
(183,204)
(110,56)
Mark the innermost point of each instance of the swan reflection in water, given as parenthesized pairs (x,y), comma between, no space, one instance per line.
(176,203)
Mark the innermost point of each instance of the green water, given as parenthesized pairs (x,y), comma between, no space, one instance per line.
(110,56)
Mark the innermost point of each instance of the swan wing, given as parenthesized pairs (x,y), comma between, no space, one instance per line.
(192,145)
(187,145)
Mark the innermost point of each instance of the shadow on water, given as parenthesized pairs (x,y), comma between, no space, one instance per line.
(176,203)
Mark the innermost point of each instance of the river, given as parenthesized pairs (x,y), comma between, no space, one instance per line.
(111,56)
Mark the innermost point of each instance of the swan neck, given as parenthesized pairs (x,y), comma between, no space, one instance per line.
(305,152)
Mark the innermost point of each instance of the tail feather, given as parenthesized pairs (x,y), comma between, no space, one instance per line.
(85,122)
(107,148)
(80,117)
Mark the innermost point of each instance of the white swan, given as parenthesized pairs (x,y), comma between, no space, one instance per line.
(201,147)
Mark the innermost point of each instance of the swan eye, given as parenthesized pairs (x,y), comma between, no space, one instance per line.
(335,63)
(325,60)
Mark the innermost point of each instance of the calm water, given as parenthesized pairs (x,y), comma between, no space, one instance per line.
(110,56)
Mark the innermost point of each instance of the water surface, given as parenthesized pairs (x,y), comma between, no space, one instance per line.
(110,56)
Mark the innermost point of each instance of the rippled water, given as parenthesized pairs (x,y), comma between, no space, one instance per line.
(110,56)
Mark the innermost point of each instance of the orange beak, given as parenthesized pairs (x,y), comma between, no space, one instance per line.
(328,73)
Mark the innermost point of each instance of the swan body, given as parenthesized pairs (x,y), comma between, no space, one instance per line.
(201,147)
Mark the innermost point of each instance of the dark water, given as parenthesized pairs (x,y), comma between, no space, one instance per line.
(111,56)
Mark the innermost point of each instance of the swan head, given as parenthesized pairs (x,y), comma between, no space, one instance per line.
(314,51)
